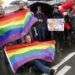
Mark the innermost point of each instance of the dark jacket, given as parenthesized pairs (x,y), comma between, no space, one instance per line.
(41,27)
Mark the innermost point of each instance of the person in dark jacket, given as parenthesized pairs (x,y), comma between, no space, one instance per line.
(57,13)
(40,28)
(58,35)
(68,29)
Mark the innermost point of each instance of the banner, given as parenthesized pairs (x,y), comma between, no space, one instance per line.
(55,24)
(21,54)
(15,25)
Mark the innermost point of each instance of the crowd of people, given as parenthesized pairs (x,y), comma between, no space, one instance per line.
(40,29)
(40,32)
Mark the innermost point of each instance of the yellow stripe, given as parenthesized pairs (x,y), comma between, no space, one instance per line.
(3,23)
(26,49)
(14,22)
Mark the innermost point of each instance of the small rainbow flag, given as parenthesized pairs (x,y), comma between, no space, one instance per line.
(23,53)
(14,25)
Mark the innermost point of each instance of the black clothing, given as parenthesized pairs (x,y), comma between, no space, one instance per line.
(41,27)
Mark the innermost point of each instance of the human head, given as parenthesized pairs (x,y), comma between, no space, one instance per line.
(55,8)
(38,9)
(28,38)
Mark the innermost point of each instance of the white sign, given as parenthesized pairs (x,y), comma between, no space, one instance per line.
(55,24)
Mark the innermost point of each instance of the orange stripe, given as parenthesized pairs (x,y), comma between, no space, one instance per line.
(10,48)
(37,46)
(12,17)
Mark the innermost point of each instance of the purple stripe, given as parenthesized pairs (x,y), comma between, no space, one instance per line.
(29,25)
(17,33)
(46,56)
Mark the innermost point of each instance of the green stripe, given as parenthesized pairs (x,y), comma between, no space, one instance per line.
(31,51)
(4,30)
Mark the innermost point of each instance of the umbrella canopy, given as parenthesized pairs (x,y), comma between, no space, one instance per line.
(46,8)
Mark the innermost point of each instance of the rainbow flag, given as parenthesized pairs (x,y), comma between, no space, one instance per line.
(21,54)
(14,25)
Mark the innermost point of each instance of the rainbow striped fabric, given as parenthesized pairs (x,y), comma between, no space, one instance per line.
(14,25)
(21,54)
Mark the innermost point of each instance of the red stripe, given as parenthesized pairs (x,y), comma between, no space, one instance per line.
(13,15)
(13,47)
